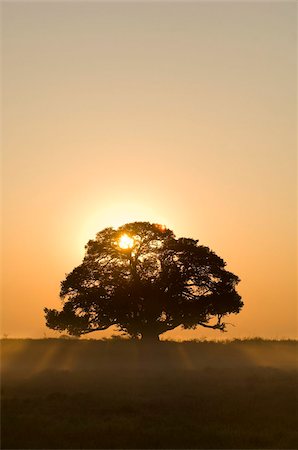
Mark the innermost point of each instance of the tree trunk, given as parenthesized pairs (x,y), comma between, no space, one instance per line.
(150,337)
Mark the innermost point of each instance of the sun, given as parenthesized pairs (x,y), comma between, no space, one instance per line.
(125,242)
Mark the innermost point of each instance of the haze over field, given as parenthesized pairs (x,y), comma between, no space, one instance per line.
(178,113)
(61,393)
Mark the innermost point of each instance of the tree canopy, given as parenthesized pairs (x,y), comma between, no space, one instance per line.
(146,281)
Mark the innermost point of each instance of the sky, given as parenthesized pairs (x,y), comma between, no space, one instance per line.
(181,113)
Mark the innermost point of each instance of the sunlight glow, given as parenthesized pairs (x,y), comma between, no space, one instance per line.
(125,242)
(161,227)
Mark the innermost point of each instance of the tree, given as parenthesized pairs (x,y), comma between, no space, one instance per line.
(143,279)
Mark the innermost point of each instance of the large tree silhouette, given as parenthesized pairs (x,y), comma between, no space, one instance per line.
(144,280)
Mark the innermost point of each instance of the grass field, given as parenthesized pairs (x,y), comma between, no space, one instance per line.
(59,393)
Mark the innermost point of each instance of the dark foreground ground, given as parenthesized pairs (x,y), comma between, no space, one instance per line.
(59,394)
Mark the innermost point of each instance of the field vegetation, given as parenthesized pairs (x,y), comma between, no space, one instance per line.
(77,394)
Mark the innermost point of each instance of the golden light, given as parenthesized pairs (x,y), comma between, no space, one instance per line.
(161,227)
(125,242)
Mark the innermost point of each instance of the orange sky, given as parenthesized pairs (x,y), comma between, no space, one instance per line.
(183,114)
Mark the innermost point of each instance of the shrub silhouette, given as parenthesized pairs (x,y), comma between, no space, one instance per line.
(144,280)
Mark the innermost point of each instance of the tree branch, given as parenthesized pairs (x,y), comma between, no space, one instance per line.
(217,326)
(96,329)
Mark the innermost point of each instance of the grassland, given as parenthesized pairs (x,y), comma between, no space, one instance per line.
(82,394)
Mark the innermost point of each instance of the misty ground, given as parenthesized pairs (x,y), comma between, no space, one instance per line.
(60,393)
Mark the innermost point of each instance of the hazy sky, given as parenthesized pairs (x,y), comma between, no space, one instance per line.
(179,113)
